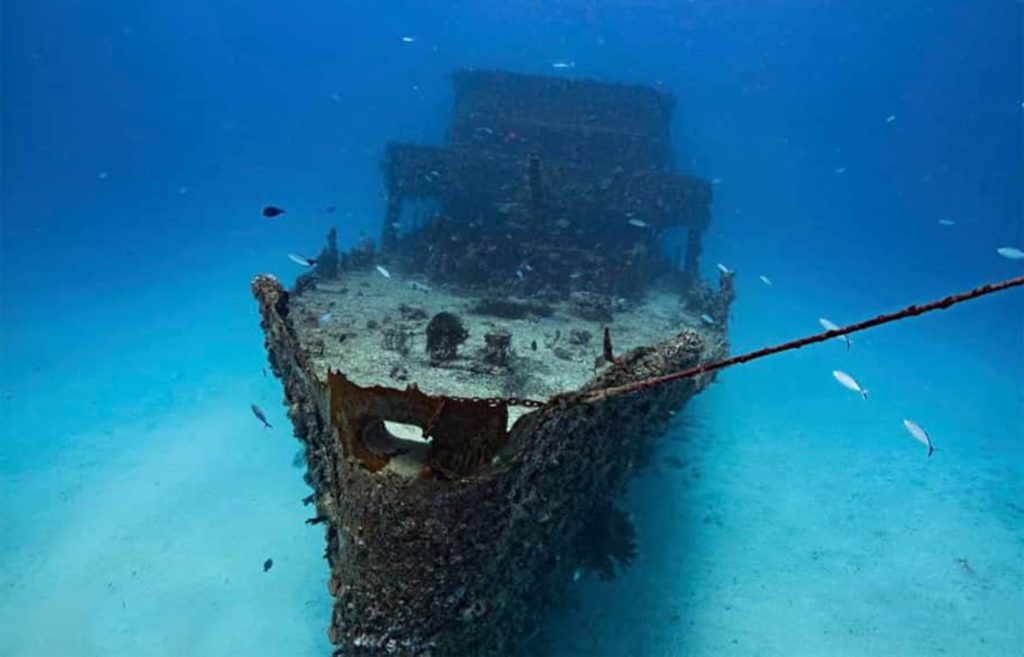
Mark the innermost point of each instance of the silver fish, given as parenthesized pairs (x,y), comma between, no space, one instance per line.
(301,260)
(1010,252)
(722,268)
(946,222)
(323,319)
(919,434)
(637,223)
(383,272)
(765,280)
(830,326)
(849,383)
(707,319)
(260,416)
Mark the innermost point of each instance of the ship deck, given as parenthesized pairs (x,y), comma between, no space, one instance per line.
(350,325)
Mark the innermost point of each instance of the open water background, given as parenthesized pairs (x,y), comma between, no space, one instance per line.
(139,497)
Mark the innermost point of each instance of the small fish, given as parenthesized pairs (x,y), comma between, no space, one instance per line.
(849,383)
(946,222)
(890,118)
(637,223)
(577,573)
(830,326)
(268,564)
(258,412)
(323,319)
(103,175)
(337,98)
(301,260)
(839,171)
(1010,252)
(707,319)
(764,279)
(271,211)
(519,274)
(383,272)
(919,434)
(569,64)
(725,270)
(419,287)
(183,190)
(331,209)
(408,39)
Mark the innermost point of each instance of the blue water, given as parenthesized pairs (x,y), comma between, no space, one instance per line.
(140,498)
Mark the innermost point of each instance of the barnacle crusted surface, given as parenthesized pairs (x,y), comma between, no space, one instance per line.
(435,566)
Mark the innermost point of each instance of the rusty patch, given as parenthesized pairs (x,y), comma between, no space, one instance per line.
(464,434)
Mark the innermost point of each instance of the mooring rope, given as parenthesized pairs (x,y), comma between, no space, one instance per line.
(602,393)
(909,311)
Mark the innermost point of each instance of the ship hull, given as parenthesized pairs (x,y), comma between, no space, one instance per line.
(468,555)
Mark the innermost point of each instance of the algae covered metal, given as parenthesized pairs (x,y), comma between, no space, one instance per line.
(464,460)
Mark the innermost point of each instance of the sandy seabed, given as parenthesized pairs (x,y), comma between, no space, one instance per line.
(783,516)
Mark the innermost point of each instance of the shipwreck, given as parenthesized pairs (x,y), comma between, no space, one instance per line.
(454,385)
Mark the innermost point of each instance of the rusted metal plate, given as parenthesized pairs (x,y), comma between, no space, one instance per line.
(463,434)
